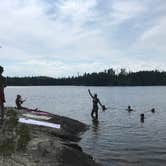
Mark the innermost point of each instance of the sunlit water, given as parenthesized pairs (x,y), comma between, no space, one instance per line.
(119,138)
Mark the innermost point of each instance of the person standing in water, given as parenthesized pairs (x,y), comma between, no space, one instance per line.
(2,96)
(95,108)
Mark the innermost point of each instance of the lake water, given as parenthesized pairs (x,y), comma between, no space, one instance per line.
(119,138)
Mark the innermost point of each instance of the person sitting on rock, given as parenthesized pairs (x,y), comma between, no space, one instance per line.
(19,101)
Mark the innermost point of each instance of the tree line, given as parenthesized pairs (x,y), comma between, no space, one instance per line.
(105,78)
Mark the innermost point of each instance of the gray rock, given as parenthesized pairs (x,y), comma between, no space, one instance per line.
(43,146)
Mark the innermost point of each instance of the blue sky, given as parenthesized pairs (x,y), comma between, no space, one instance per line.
(63,37)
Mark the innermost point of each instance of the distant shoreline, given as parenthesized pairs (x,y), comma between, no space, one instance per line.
(106,78)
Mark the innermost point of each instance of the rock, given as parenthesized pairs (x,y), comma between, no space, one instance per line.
(43,146)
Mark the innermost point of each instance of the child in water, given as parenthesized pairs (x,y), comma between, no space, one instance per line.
(129,109)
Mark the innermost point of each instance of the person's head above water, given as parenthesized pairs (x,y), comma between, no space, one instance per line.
(18,96)
(129,108)
(1,69)
(153,110)
(95,95)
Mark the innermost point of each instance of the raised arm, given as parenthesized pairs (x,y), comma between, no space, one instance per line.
(90,93)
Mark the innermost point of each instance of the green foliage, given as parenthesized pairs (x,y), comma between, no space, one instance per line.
(7,147)
(12,119)
(24,137)
(13,136)
(8,135)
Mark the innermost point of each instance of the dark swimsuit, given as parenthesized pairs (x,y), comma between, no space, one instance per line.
(95,103)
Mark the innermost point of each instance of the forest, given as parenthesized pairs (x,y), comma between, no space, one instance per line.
(107,77)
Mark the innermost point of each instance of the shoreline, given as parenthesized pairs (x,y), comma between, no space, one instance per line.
(46,145)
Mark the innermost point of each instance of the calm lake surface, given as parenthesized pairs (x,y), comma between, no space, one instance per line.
(119,138)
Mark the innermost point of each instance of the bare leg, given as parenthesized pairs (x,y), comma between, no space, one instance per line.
(2,111)
(96,112)
(92,114)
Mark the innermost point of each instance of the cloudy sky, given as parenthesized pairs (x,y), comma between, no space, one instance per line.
(63,37)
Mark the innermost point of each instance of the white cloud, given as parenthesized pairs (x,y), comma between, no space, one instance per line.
(124,10)
(65,37)
(155,37)
(77,9)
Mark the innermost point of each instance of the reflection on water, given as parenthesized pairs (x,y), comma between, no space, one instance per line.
(118,138)
(95,127)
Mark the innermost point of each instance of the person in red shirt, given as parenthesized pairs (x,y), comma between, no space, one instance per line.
(2,95)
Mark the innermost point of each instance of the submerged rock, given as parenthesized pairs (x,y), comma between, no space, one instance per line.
(32,145)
